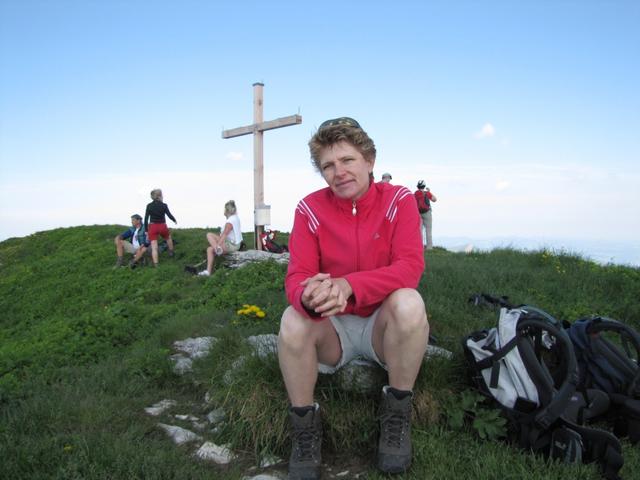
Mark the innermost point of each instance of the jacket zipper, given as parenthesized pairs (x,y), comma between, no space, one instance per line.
(354,212)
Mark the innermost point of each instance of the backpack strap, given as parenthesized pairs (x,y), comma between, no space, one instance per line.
(486,300)
(620,358)
(558,397)
(600,447)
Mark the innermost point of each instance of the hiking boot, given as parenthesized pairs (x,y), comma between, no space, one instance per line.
(133,264)
(394,446)
(118,263)
(306,440)
(171,253)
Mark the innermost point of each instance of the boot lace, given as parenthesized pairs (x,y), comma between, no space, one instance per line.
(395,424)
(306,441)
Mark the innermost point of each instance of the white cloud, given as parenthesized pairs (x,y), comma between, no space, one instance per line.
(486,131)
(502,185)
(234,156)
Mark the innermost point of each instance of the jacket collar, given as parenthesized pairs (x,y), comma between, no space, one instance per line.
(362,205)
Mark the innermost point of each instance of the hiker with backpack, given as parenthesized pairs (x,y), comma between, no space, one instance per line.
(228,241)
(356,260)
(156,223)
(424,197)
(138,244)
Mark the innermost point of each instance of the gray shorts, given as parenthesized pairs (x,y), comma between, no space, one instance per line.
(128,247)
(230,247)
(355,334)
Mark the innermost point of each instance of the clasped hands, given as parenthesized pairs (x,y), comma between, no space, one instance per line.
(325,295)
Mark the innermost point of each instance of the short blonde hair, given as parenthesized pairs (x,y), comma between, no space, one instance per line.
(156,193)
(230,208)
(343,129)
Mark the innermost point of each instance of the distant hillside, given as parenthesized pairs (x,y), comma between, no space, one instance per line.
(84,347)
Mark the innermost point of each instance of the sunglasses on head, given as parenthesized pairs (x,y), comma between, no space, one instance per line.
(349,122)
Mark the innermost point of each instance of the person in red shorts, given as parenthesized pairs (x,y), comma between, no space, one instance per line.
(156,224)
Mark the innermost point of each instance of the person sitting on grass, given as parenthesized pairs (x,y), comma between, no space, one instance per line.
(138,244)
(228,241)
(156,211)
(356,260)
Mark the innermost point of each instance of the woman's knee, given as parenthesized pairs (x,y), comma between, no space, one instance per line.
(296,330)
(407,310)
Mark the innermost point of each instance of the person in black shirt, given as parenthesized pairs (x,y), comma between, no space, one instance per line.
(156,224)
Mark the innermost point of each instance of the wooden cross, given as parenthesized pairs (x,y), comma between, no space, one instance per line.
(261,212)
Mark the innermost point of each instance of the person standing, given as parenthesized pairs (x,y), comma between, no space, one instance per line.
(156,224)
(356,260)
(386,177)
(424,197)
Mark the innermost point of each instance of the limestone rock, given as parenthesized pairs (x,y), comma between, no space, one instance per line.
(264,345)
(215,453)
(179,435)
(237,364)
(160,407)
(195,347)
(269,461)
(216,416)
(362,376)
(240,259)
(264,476)
(182,364)
(433,351)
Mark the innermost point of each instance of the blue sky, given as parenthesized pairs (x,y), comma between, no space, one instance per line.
(523,117)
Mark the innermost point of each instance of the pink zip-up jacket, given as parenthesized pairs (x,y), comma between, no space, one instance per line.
(375,243)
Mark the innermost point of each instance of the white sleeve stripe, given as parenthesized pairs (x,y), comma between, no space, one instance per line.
(304,209)
(393,215)
(401,194)
(391,204)
(309,213)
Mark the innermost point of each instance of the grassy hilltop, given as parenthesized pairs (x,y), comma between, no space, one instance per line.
(84,349)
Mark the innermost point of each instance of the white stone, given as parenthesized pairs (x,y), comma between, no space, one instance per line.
(195,347)
(199,425)
(215,453)
(433,351)
(359,375)
(179,435)
(160,407)
(342,474)
(264,345)
(182,364)
(191,418)
(216,416)
(237,364)
(240,259)
(269,461)
(264,476)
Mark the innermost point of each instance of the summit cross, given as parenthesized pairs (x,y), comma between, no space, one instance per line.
(261,212)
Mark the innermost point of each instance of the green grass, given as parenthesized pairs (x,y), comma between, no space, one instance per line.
(84,349)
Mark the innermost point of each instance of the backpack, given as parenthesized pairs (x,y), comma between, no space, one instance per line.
(424,204)
(269,244)
(607,353)
(527,367)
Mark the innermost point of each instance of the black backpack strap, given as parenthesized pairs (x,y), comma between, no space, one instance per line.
(602,448)
(623,359)
(541,321)
(487,300)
